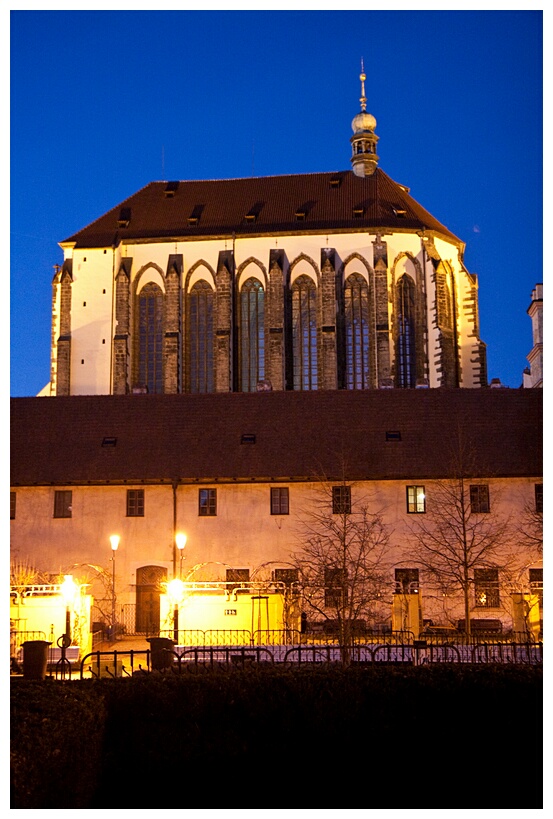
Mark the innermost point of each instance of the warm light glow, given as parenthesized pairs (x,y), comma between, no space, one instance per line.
(175,589)
(68,589)
(114,540)
(180,539)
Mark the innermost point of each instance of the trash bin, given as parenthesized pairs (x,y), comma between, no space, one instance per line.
(162,652)
(35,658)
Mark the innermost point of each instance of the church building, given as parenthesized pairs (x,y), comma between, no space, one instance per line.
(336,280)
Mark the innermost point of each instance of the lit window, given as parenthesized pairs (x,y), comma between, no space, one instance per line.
(479,498)
(341,500)
(416,500)
(280,501)
(486,588)
(135,503)
(63,500)
(207,502)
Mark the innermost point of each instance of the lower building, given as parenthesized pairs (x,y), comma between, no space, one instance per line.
(285,510)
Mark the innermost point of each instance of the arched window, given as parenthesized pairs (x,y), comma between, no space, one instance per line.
(405,354)
(356,302)
(150,337)
(304,333)
(200,337)
(252,334)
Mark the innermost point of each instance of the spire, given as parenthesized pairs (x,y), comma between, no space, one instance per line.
(363,142)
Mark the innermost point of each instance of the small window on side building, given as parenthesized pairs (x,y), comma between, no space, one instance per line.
(538,491)
(280,502)
(416,500)
(341,500)
(135,503)
(63,503)
(479,498)
(207,500)
(12,505)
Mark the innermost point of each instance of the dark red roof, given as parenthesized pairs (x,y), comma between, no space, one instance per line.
(298,435)
(316,202)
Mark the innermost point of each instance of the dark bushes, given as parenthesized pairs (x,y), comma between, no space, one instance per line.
(392,737)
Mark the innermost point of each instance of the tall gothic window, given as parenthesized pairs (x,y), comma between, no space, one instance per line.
(252,334)
(405,357)
(150,337)
(200,337)
(356,299)
(304,333)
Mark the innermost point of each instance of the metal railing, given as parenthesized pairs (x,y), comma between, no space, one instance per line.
(418,652)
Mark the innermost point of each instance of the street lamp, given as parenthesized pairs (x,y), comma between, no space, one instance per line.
(114,540)
(68,589)
(180,540)
(175,589)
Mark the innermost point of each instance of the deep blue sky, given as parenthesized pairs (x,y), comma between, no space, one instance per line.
(104,102)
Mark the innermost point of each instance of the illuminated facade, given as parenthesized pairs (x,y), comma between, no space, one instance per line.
(238,472)
(302,282)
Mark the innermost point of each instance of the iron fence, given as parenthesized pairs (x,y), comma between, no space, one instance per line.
(419,652)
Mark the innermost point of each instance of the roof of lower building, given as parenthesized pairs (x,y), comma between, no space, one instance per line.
(276,436)
(306,203)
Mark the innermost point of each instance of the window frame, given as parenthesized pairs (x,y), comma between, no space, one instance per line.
(280,500)
(413,500)
(63,503)
(479,494)
(341,500)
(335,587)
(207,508)
(135,503)
(538,497)
(486,582)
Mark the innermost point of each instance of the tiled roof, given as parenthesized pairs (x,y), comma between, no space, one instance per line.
(318,202)
(298,435)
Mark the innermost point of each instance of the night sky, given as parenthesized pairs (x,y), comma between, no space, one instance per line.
(103,102)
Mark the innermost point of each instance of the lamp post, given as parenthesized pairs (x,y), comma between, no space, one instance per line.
(180,540)
(114,540)
(68,589)
(175,588)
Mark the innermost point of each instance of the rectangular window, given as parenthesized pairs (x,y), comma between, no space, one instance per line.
(535,576)
(286,576)
(237,578)
(416,500)
(63,500)
(486,587)
(538,490)
(341,500)
(280,501)
(407,581)
(207,502)
(12,505)
(135,503)
(479,498)
(336,593)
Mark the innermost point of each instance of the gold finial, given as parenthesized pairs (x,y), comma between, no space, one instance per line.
(363,77)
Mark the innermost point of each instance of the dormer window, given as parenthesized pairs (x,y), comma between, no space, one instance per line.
(124,218)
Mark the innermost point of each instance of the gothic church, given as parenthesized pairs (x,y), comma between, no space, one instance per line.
(301,282)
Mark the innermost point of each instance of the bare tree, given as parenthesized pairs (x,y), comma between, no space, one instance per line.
(460,534)
(343,563)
